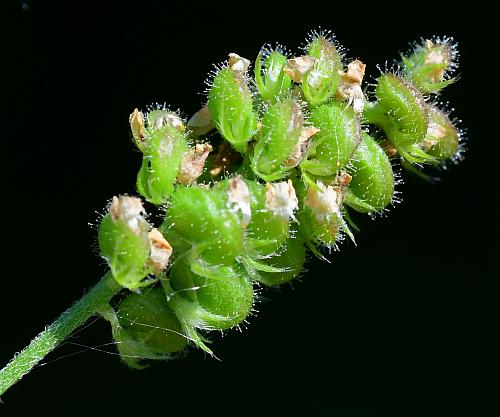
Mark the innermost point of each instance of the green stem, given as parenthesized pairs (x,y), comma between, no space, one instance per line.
(54,334)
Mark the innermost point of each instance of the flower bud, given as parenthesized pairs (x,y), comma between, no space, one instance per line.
(338,137)
(231,106)
(321,80)
(430,65)
(282,127)
(124,241)
(372,184)
(270,76)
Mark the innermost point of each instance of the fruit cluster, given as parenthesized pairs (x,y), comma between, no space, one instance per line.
(268,167)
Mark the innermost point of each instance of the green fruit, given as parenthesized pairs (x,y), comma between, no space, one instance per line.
(429,65)
(124,242)
(282,126)
(321,81)
(401,111)
(290,259)
(320,219)
(151,323)
(209,297)
(204,218)
(163,148)
(335,143)
(372,185)
(443,138)
(231,106)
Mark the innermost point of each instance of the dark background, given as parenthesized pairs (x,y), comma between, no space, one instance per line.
(402,325)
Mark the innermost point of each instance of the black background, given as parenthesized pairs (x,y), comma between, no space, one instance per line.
(404,324)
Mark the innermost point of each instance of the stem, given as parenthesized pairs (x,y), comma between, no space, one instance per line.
(54,334)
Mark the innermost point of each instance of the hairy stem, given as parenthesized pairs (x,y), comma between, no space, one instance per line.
(53,335)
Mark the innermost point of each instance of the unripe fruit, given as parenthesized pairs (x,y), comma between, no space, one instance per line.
(338,137)
(204,218)
(372,184)
(320,219)
(163,147)
(150,324)
(430,65)
(282,126)
(290,259)
(401,111)
(443,138)
(209,297)
(231,106)
(321,81)
(124,242)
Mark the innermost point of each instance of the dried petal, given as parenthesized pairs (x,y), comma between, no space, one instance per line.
(160,251)
(323,201)
(136,121)
(238,63)
(350,85)
(192,163)
(201,123)
(300,148)
(297,67)
(129,210)
(281,199)
(238,198)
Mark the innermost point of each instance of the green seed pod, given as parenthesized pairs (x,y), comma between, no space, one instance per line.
(282,126)
(401,111)
(163,144)
(290,259)
(124,242)
(338,137)
(443,138)
(150,328)
(208,220)
(231,106)
(270,78)
(209,297)
(372,185)
(321,81)
(430,64)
